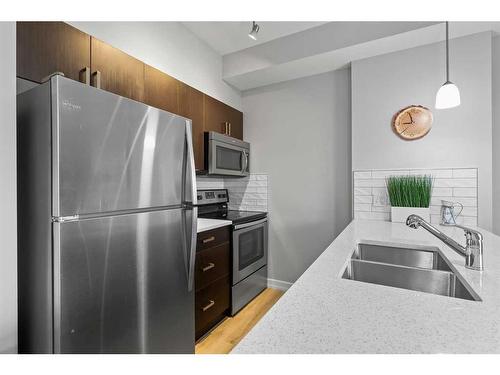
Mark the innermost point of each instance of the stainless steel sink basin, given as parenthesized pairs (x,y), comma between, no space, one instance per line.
(403,256)
(420,269)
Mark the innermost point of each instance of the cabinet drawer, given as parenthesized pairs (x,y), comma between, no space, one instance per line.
(212,238)
(211,264)
(211,304)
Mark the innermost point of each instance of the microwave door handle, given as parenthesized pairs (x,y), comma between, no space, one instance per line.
(242,159)
(246,161)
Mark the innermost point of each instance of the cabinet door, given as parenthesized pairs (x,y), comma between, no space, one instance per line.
(221,118)
(47,47)
(236,123)
(216,116)
(191,106)
(160,90)
(120,73)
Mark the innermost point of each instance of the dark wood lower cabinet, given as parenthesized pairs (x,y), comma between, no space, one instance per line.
(212,280)
(212,304)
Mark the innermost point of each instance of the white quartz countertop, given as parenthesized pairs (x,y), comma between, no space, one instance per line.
(323,313)
(208,224)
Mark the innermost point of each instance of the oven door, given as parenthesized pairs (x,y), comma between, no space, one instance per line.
(228,159)
(249,248)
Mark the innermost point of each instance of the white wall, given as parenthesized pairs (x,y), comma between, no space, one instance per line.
(8,227)
(171,48)
(496,135)
(300,136)
(460,137)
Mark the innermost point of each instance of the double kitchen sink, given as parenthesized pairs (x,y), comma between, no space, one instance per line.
(423,269)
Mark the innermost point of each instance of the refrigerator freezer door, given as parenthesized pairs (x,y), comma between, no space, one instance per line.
(111,153)
(121,285)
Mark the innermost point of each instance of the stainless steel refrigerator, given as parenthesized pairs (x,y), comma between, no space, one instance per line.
(107,230)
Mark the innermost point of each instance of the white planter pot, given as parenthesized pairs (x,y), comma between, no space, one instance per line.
(400,214)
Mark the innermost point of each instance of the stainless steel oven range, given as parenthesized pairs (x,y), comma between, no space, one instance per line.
(249,245)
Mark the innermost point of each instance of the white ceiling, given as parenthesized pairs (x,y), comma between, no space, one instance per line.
(333,46)
(228,37)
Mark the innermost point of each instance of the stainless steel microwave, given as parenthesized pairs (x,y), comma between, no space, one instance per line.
(226,156)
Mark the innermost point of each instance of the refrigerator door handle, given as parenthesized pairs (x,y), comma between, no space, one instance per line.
(190,168)
(192,248)
(191,175)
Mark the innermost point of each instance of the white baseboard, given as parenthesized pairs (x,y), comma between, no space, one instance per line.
(278,284)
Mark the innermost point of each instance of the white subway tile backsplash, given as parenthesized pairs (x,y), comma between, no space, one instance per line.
(382,216)
(362,207)
(436,173)
(246,194)
(362,191)
(442,192)
(385,174)
(465,173)
(469,211)
(466,201)
(363,174)
(455,182)
(363,183)
(363,199)
(456,185)
(464,192)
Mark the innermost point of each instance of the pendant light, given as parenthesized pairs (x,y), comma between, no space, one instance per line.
(448,95)
(255,29)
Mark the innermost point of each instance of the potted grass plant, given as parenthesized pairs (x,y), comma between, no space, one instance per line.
(409,195)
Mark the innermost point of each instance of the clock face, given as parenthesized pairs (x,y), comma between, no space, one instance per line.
(412,122)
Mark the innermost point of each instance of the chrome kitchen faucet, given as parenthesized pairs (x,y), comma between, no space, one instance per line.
(473,250)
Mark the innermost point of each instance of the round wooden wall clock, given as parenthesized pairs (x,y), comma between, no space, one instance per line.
(412,122)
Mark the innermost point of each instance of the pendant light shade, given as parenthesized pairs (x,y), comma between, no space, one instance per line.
(448,95)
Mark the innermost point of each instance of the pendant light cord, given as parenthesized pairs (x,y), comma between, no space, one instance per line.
(447,56)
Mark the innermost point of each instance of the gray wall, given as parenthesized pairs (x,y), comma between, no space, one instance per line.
(8,248)
(496,135)
(300,136)
(460,137)
(172,48)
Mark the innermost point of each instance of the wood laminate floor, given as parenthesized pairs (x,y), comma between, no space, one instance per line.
(230,332)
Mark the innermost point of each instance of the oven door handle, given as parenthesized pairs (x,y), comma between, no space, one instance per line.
(251,224)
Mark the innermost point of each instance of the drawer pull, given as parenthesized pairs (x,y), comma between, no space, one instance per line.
(208,267)
(210,304)
(209,239)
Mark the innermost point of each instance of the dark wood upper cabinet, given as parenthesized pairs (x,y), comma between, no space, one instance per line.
(236,121)
(44,48)
(120,73)
(191,106)
(221,118)
(161,90)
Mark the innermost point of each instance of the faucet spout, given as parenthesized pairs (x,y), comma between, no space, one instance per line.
(473,251)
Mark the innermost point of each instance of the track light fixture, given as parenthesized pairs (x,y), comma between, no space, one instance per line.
(255,29)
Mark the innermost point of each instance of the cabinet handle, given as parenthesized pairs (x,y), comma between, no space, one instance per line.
(96,79)
(209,239)
(85,75)
(208,267)
(210,304)
(229,128)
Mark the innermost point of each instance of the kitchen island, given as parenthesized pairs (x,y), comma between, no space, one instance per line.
(324,313)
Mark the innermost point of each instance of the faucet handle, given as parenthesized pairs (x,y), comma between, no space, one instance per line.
(474,248)
(471,234)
